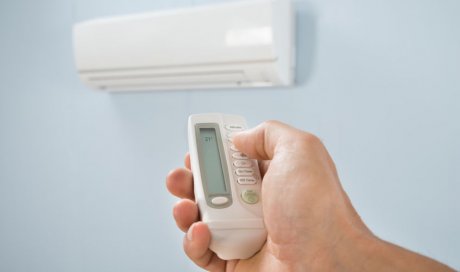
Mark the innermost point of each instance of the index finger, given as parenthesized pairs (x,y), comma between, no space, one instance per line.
(263,141)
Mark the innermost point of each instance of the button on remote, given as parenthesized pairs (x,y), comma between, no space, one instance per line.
(219,200)
(244,171)
(250,196)
(234,127)
(242,163)
(239,156)
(247,180)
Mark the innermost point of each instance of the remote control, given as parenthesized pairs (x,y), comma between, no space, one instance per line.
(227,186)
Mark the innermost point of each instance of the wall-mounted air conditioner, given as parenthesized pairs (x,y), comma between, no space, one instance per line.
(238,44)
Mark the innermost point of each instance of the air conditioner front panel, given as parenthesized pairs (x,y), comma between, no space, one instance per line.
(220,34)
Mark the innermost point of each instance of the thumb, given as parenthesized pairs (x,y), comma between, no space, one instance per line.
(263,141)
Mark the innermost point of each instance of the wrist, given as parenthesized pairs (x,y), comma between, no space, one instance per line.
(353,251)
(357,251)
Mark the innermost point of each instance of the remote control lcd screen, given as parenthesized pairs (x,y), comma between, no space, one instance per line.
(209,155)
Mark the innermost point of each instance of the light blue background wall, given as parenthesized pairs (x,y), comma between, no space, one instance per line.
(82,173)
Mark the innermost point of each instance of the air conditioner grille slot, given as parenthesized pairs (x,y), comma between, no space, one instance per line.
(204,74)
(108,81)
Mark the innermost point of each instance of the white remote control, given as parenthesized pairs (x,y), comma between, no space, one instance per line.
(227,186)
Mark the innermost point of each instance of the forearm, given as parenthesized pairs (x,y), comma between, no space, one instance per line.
(400,259)
(373,254)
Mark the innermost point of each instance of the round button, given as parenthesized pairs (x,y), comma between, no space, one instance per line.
(250,196)
(219,200)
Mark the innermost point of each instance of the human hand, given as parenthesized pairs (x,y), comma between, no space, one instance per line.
(310,221)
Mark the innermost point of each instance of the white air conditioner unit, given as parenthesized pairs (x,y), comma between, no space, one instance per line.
(238,44)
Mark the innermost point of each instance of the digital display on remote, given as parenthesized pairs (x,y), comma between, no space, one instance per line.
(210,159)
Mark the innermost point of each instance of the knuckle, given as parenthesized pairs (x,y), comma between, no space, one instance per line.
(271,123)
(310,139)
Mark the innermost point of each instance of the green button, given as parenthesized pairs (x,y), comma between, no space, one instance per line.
(250,196)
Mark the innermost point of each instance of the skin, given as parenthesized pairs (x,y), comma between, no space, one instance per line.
(311,223)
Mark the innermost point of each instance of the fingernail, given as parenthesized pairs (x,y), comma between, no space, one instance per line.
(190,233)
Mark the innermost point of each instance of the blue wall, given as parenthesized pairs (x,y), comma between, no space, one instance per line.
(82,173)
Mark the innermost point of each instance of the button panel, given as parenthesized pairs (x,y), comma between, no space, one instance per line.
(245,170)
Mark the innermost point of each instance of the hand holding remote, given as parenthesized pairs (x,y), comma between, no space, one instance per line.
(311,223)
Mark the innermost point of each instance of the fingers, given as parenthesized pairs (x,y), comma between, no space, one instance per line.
(196,243)
(185,213)
(196,246)
(261,142)
(180,183)
(187,161)
(263,167)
